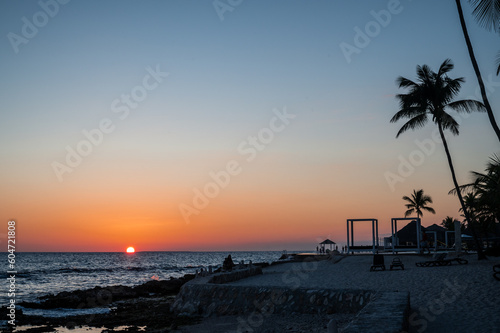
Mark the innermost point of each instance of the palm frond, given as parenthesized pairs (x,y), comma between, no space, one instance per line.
(415,99)
(409,212)
(403,82)
(407,198)
(424,73)
(493,164)
(408,112)
(487,13)
(463,188)
(467,105)
(445,67)
(482,199)
(414,123)
(451,88)
(429,209)
(498,63)
(426,199)
(447,122)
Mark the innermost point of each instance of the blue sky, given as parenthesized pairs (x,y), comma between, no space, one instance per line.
(225,77)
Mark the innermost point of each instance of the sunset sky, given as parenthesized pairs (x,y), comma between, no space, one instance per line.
(244,125)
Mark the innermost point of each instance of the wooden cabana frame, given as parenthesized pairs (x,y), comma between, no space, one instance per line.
(350,233)
(394,230)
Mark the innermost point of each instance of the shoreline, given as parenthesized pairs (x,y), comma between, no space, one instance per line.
(107,308)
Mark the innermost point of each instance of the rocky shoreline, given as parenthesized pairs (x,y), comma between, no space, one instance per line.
(126,309)
(148,305)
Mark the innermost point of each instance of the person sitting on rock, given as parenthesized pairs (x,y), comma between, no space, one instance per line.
(228,264)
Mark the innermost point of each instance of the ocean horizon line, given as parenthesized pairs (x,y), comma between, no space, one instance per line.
(150,251)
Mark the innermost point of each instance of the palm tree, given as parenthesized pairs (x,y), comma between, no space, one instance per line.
(432,95)
(418,202)
(483,16)
(449,223)
(486,190)
(472,206)
(483,222)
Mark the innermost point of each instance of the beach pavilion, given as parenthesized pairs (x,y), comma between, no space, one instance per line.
(327,242)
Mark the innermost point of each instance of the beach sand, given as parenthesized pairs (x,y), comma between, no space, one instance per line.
(456,298)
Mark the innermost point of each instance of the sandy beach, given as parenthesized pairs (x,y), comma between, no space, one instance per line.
(456,298)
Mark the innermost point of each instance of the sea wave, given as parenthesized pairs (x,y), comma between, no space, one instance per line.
(85,270)
(63,312)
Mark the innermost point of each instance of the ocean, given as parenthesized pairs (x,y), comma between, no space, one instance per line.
(40,274)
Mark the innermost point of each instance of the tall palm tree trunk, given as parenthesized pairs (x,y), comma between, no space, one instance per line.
(476,70)
(480,253)
(420,233)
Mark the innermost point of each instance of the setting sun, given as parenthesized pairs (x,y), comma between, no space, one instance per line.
(130,249)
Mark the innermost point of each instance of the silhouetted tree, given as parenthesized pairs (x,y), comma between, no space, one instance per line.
(432,95)
(486,186)
(482,197)
(484,13)
(449,224)
(418,202)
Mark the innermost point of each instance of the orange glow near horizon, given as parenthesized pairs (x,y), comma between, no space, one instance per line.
(247,215)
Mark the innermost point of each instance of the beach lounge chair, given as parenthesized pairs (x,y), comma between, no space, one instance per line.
(496,269)
(378,263)
(396,262)
(440,260)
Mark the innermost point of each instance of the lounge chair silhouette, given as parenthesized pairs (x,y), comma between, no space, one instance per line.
(440,260)
(396,262)
(378,263)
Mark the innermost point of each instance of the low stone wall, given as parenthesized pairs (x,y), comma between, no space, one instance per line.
(210,299)
(235,275)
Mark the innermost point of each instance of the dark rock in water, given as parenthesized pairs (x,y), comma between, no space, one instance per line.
(261,264)
(81,299)
(153,312)
(168,287)
(99,296)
